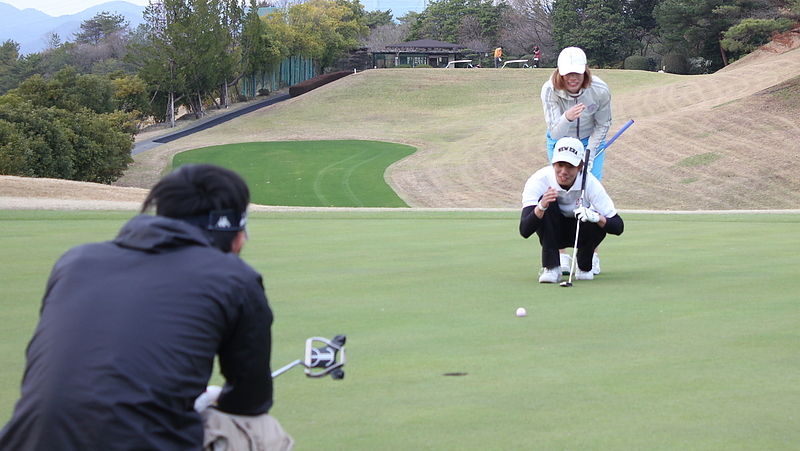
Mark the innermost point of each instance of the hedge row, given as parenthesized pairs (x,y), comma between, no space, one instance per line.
(316,82)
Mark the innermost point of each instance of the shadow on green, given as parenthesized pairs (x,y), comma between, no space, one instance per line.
(347,173)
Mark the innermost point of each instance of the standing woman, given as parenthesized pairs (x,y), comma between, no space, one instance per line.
(574,99)
(572,92)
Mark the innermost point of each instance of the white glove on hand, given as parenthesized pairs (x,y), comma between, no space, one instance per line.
(208,398)
(587,215)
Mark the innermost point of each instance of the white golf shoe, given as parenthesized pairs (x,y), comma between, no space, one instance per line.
(566,261)
(550,275)
(595,264)
(583,275)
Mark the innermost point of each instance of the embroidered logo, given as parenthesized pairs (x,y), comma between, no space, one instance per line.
(223,223)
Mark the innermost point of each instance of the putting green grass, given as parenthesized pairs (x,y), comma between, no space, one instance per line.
(347,173)
(687,340)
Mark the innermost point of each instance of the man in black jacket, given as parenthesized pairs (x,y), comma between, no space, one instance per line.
(129,328)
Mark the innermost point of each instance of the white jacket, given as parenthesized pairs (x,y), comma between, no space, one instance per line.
(596,196)
(595,120)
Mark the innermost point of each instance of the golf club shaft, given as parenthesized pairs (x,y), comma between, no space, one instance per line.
(573,263)
(584,173)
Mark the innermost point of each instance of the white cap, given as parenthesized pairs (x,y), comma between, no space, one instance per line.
(571,60)
(568,150)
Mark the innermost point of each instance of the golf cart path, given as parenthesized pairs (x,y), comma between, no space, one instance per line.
(147,144)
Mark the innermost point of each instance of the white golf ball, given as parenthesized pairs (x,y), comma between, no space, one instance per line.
(521,312)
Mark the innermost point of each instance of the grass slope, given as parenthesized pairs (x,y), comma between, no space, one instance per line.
(685,342)
(345,173)
(480,133)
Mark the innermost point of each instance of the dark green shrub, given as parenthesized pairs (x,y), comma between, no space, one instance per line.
(402,66)
(314,83)
(637,62)
(424,66)
(57,143)
(263,92)
(675,63)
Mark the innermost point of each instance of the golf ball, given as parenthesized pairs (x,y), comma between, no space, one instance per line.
(521,312)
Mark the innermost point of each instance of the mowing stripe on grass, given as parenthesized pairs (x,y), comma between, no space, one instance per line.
(346,173)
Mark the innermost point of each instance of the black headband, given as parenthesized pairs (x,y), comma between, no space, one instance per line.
(219,221)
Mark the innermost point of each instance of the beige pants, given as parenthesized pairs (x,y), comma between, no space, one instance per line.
(226,432)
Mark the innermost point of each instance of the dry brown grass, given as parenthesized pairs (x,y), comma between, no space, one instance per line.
(723,141)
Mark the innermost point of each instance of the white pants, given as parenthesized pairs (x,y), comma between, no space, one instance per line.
(227,432)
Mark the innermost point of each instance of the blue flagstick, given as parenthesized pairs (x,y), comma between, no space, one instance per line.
(614,138)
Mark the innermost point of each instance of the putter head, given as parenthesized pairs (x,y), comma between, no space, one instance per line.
(330,358)
(566,284)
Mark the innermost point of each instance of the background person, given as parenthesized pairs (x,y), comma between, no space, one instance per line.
(572,92)
(498,56)
(551,208)
(129,328)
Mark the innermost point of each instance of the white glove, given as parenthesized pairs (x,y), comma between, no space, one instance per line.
(587,214)
(208,398)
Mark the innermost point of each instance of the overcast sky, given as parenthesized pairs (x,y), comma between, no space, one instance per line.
(57,8)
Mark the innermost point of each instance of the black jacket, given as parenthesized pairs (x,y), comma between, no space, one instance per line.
(127,338)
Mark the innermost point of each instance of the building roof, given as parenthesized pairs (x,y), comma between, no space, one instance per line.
(426,44)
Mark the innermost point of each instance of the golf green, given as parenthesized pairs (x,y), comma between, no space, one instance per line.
(345,173)
(686,341)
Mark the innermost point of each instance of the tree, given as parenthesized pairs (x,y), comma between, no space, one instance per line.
(191,51)
(320,29)
(99,47)
(130,94)
(643,23)
(526,25)
(9,56)
(750,34)
(69,90)
(15,68)
(66,127)
(454,20)
(12,148)
(384,35)
(156,60)
(253,48)
(47,151)
(788,8)
(374,19)
(602,28)
(697,28)
(181,51)
(261,50)
(102,26)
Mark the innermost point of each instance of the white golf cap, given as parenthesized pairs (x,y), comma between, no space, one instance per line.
(568,150)
(571,60)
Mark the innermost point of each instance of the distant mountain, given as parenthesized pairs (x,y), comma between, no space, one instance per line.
(30,28)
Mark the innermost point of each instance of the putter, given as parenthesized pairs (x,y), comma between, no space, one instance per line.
(583,190)
(330,358)
(584,173)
